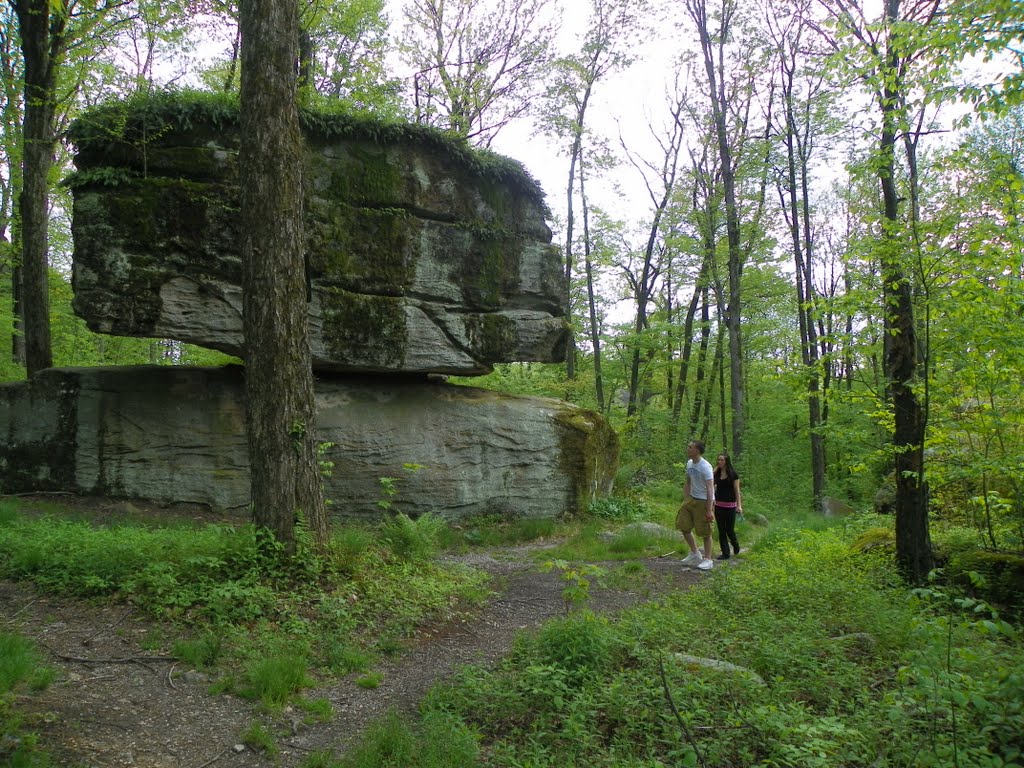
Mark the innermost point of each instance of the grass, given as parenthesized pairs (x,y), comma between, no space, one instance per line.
(21,667)
(839,665)
(268,631)
(493,531)
(260,738)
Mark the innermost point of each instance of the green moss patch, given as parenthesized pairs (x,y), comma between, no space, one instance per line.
(490,269)
(124,130)
(589,454)
(492,338)
(359,328)
(365,250)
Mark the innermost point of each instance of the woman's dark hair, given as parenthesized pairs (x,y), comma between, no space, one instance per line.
(730,472)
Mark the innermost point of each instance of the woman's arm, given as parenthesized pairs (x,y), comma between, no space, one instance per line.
(739,496)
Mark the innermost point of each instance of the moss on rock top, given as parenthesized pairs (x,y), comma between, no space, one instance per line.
(161,118)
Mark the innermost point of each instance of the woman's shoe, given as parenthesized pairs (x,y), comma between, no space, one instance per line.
(723,557)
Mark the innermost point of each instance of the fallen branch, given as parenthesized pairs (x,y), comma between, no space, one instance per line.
(215,758)
(23,608)
(101,630)
(122,660)
(675,711)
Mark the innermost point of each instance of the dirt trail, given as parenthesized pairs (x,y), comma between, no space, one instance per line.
(117,703)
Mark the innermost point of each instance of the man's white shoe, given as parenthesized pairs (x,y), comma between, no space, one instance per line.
(692,559)
(706,565)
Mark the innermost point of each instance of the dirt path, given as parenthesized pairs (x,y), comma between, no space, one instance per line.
(117,703)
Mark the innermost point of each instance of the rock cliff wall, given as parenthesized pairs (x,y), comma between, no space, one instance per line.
(177,435)
(422,257)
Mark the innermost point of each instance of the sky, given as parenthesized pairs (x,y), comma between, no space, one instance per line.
(622,103)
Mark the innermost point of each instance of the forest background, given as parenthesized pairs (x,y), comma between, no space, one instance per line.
(803,248)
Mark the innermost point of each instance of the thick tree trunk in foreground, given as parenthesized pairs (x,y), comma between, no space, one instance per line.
(42,44)
(279,378)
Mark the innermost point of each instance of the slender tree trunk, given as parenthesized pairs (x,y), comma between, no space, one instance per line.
(278,376)
(684,360)
(18,327)
(595,328)
(643,297)
(913,542)
(733,315)
(795,205)
(702,389)
(229,78)
(570,220)
(718,374)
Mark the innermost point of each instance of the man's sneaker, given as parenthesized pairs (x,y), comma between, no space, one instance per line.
(706,565)
(692,559)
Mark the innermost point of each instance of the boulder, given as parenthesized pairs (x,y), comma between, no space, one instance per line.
(173,435)
(422,256)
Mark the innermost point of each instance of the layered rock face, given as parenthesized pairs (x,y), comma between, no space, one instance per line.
(421,258)
(177,435)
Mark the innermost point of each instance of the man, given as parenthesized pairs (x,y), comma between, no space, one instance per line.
(698,509)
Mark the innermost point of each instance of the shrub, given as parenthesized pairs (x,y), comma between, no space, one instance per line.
(272,679)
(413,539)
(624,508)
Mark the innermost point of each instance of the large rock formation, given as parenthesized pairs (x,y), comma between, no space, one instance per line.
(175,434)
(422,256)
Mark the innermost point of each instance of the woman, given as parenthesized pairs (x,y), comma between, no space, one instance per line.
(728,501)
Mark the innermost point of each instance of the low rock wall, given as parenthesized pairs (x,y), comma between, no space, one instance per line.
(177,435)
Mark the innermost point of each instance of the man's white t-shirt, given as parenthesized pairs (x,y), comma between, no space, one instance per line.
(699,473)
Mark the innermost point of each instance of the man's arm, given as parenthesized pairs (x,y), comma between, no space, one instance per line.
(711,498)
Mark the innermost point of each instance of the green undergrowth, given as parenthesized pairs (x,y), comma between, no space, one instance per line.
(21,669)
(266,628)
(615,528)
(835,664)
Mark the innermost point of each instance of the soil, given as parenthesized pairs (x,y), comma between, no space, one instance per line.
(117,702)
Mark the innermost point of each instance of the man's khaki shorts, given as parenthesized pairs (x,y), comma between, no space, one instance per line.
(692,516)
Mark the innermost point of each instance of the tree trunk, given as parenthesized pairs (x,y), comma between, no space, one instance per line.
(733,315)
(798,218)
(42,45)
(702,389)
(913,542)
(643,297)
(684,361)
(280,404)
(570,220)
(595,329)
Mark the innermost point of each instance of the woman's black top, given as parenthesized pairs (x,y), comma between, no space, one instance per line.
(725,488)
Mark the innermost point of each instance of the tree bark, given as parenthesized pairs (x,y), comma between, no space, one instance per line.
(42,45)
(733,315)
(796,205)
(913,542)
(280,404)
(595,328)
